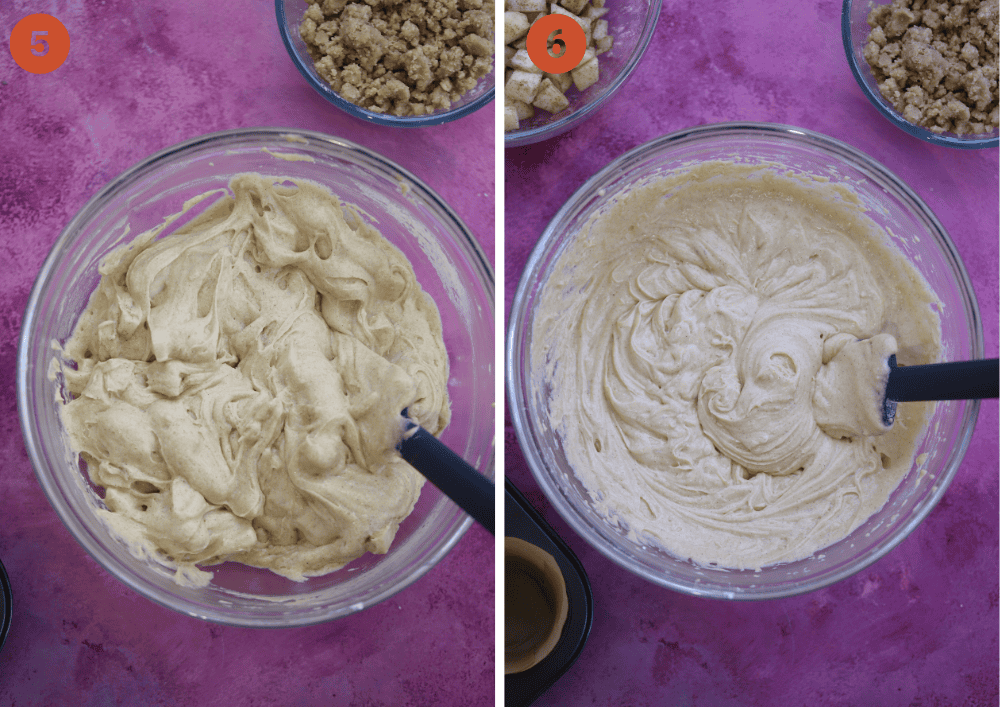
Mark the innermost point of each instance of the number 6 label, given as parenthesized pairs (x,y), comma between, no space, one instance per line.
(39,43)
(569,39)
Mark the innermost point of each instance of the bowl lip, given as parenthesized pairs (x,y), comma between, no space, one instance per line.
(412,121)
(883,107)
(6,604)
(235,137)
(517,405)
(522,138)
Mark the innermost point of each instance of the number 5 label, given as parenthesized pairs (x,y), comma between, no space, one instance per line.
(39,43)
(39,47)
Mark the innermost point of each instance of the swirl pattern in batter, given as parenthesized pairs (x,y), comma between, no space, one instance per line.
(238,384)
(679,339)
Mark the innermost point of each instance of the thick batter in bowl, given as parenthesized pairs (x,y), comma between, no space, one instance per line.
(801,157)
(447,262)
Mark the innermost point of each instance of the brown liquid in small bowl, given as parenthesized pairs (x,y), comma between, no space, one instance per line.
(535,605)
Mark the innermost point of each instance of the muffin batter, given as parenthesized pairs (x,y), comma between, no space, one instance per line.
(238,384)
(677,346)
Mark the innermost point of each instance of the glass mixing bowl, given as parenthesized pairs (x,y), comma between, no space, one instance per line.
(631,23)
(290,14)
(913,229)
(854,28)
(449,265)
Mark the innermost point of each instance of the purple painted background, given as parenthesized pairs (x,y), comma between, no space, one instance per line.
(141,76)
(919,627)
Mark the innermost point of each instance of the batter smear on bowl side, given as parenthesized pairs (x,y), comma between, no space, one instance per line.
(677,345)
(238,384)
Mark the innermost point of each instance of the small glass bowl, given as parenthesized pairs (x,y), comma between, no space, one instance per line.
(855,30)
(449,265)
(631,23)
(290,14)
(912,227)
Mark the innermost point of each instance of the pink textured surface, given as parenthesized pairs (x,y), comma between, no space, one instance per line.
(140,77)
(919,627)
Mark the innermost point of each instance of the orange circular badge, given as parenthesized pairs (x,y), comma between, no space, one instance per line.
(39,43)
(569,35)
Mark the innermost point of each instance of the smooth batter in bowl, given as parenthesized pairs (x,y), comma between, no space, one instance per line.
(891,206)
(450,267)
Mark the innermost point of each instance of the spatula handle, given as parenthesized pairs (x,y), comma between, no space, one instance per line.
(961,380)
(454,477)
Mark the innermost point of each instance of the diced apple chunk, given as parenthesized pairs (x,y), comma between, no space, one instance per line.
(561,81)
(510,121)
(522,61)
(515,26)
(584,22)
(600,30)
(585,75)
(525,5)
(524,110)
(522,86)
(550,98)
(574,6)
